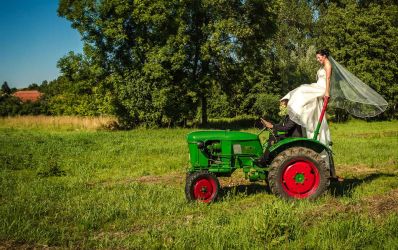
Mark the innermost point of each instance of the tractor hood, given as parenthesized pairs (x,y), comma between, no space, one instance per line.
(220,135)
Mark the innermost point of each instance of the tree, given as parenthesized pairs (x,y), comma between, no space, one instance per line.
(228,36)
(9,105)
(162,62)
(5,88)
(293,54)
(363,37)
(77,91)
(33,86)
(287,61)
(156,52)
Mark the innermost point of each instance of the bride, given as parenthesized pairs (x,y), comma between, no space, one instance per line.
(348,92)
(305,102)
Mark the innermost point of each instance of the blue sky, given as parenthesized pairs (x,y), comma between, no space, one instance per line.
(32,39)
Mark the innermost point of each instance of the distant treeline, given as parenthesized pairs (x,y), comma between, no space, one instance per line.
(165,62)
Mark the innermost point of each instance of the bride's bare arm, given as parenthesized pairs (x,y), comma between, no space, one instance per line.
(328,69)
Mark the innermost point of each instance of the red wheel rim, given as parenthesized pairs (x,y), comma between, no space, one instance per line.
(205,189)
(300,179)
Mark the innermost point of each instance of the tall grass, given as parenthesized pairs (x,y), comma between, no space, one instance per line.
(125,190)
(57,122)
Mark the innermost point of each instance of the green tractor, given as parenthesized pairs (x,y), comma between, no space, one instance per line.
(299,168)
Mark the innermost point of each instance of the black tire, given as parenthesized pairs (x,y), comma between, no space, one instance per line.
(299,173)
(202,186)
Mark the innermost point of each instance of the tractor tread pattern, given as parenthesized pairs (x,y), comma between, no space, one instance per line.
(275,172)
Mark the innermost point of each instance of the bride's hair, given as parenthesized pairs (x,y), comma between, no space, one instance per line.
(323,52)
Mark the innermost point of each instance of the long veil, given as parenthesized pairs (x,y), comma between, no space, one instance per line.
(348,92)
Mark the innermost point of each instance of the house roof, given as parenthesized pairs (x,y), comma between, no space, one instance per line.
(28,95)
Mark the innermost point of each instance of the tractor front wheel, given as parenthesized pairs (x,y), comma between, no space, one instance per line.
(202,186)
(299,173)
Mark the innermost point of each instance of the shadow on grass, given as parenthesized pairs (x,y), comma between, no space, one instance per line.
(250,189)
(337,189)
(348,186)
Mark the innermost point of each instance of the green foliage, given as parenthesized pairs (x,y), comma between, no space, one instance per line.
(11,106)
(171,63)
(293,52)
(78,91)
(5,89)
(222,105)
(362,36)
(158,52)
(267,106)
(236,123)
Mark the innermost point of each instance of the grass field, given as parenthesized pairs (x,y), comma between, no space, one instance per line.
(88,188)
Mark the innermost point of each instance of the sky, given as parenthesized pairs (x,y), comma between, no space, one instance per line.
(32,39)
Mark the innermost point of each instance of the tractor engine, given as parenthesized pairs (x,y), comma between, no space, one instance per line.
(222,151)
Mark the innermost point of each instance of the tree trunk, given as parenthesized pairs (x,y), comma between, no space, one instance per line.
(203,120)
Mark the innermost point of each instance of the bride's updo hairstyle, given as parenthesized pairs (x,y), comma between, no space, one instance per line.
(323,52)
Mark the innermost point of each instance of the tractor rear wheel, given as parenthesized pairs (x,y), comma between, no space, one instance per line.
(202,186)
(299,173)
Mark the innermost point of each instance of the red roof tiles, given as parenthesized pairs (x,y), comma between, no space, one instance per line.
(28,95)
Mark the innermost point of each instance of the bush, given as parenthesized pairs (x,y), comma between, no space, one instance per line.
(11,106)
(267,106)
(157,104)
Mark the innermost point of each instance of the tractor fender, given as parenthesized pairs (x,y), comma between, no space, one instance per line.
(303,142)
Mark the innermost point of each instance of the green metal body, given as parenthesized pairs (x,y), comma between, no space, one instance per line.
(224,151)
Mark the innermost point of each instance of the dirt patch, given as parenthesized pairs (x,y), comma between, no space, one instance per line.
(379,205)
(361,169)
(236,179)
(376,135)
(375,206)
(357,169)
(113,235)
(20,245)
(170,179)
(173,178)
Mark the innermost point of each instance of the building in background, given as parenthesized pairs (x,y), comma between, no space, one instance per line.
(28,95)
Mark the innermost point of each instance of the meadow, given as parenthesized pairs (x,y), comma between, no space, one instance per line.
(74,186)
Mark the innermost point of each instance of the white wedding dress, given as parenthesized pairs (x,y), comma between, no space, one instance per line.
(305,106)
